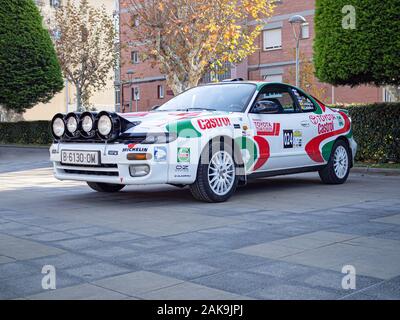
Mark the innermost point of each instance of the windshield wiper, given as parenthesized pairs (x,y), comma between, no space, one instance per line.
(188,109)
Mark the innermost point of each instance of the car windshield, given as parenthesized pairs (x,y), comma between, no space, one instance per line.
(230,97)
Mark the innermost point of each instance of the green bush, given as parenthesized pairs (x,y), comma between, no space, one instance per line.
(25,132)
(29,69)
(369,53)
(376,129)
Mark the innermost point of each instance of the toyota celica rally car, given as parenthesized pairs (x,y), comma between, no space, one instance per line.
(211,138)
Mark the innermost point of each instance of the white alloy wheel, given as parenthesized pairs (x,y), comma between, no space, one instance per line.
(340,162)
(221,173)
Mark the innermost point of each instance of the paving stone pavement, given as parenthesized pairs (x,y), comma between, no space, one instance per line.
(278,238)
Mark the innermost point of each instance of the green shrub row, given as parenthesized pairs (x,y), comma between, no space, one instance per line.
(25,132)
(376,128)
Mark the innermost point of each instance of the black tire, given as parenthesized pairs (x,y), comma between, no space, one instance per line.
(105,187)
(201,189)
(328,174)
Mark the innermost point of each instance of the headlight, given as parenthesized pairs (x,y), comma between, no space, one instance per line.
(104,125)
(108,125)
(72,124)
(87,123)
(58,126)
(166,137)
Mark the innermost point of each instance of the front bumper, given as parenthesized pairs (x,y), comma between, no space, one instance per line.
(114,166)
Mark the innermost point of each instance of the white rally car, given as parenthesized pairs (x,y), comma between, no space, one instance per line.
(211,138)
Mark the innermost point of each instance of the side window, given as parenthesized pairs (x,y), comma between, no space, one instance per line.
(305,103)
(274,100)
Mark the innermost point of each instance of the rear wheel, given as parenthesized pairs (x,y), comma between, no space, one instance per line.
(338,168)
(216,178)
(105,187)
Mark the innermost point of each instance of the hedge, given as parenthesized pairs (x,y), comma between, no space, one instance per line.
(376,128)
(369,53)
(25,132)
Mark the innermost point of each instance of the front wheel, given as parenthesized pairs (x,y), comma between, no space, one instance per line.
(105,187)
(338,168)
(216,178)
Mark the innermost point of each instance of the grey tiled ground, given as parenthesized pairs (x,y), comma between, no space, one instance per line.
(280,238)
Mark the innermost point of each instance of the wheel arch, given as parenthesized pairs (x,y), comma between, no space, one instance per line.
(236,150)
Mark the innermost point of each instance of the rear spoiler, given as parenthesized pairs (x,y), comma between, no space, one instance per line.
(332,108)
(341,110)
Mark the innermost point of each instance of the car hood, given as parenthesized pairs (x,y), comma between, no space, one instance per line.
(158,121)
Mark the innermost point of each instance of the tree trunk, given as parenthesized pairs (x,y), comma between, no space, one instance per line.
(79,107)
(180,84)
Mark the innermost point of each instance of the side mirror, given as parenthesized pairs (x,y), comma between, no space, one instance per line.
(266,107)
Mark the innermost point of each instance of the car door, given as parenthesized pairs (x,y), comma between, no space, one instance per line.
(283,130)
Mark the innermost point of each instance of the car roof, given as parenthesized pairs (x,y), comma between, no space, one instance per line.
(259,84)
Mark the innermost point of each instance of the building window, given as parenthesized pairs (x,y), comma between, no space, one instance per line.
(305,31)
(135,20)
(135,57)
(117,96)
(160,91)
(272,39)
(135,94)
(273,78)
(55,3)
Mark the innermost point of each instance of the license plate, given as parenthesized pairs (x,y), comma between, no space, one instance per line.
(91,158)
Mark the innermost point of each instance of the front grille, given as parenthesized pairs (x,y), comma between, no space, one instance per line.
(110,170)
(93,173)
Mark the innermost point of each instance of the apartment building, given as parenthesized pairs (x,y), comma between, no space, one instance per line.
(65,101)
(144,85)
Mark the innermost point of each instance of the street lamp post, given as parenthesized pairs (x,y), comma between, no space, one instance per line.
(130,74)
(297,20)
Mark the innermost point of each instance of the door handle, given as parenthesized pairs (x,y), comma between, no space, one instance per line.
(305,123)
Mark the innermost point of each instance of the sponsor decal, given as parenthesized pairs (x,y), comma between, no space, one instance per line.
(112,152)
(313,147)
(132,148)
(182,168)
(182,171)
(287,139)
(265,128)
(297,139)
(324,122)
(236,126)
(183,155)
(160,153)
(212,123)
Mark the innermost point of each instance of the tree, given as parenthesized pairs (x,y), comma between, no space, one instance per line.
(85,47)
(308,81)
(357,42)
(185,38)
(29,70)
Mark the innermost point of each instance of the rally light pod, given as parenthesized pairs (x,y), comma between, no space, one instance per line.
(108,126)
(87,124)
(58,126)
(72,125)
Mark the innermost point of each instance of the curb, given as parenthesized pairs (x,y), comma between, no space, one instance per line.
(382,171)
(23,147)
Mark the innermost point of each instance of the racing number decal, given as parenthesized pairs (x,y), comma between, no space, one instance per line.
(287,139)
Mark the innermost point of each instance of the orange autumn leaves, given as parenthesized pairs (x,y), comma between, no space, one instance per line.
(188,38)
